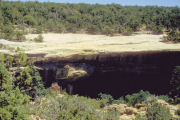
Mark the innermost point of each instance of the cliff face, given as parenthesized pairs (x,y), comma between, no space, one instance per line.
(117,73)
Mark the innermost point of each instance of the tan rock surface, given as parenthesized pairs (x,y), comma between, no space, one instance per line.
(173,108)
(66,45)
(73,73)
(129,113)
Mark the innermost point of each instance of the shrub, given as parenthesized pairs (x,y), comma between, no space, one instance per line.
(157,29)
(9,61)
(38,30)
(164,97)
(12,105)
(119,101)
(11,100)
(19,36)
(30,82)
(139,117)
(29,20)
(173,35)
(21,58)
(151,99)
(108,31)
(93,29)
(74,107)
(2,58)
(137,97)
(127,31)
(109,99)
(176,100)
(6,80)
(158,112)
(7,32)
(39,38)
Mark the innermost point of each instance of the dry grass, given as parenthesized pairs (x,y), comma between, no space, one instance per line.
(64,45)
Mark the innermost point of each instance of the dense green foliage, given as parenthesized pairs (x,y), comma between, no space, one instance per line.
(95,19)
(158,112)
(39,38)
(29,81)
(17,86)
(137,97)
(11,99)
(68,107)
(131,100)
(173,35)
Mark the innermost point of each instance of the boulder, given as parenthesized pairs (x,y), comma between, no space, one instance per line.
(141,107)
(55,87)
(130,111)
(72,73)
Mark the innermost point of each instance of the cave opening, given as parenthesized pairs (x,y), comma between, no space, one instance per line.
(120,75)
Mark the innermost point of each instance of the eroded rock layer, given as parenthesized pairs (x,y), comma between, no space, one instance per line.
(116,73)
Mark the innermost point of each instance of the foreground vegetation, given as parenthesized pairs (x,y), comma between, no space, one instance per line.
(22,94)
(19,18)
(22,90)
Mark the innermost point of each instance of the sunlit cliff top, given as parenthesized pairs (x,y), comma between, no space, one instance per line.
(69,44)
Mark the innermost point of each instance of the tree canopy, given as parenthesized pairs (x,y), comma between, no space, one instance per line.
(99,19)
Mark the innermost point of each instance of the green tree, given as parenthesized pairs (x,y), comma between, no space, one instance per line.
(7,32)
(11,100)
(9,61)
(173,35)
(158,112)
(21,58)
(39,38)
(30,82)
(20,36)
(2,58)
(29,20)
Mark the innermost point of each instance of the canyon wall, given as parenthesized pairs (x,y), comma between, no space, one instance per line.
(113,73)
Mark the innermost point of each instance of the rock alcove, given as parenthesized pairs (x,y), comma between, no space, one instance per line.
(117,74)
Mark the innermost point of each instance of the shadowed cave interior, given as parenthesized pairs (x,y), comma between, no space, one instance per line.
(118,75)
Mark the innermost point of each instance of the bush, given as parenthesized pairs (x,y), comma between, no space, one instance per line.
(119,101)
(164,97)
(11,100)
(139,117)
(21,58)
(158,112)
(173,36)
(68,107)
(9,61)
(157,29)
(127,31)
(108,31)
(30,82)
(19,36)
(39,38)
(29,20)
(93,29)
(38,30)
(12,105)
(7,32)
(137,97)
(108,98)
(176,100)
(2,58)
